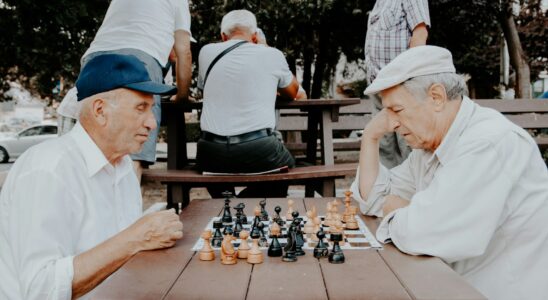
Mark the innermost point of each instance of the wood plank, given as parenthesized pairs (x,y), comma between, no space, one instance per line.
(346,122)
(530,121)
(436,281)
(515,106)
(150,274)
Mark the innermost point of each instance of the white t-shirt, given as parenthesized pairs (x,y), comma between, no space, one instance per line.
(61,198)
(240,92)
(146,25)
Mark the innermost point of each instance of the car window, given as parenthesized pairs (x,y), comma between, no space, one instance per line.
(49,130)
(31,131)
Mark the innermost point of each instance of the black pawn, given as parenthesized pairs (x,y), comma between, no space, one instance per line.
(243,217)
(227,228)
(336,256)
(217,238)
(263,242)
(238,228)
(227,215)
(277,217)
(264,214)
(321,249)
(275,249)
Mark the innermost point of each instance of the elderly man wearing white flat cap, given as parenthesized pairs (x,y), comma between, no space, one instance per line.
(474,190)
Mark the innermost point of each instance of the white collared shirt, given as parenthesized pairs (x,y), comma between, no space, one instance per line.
(479,202)
(61,198)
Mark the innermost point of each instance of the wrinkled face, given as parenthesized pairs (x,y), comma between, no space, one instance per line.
(130,121)
(416,117)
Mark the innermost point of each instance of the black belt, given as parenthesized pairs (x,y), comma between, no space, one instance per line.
(236,139)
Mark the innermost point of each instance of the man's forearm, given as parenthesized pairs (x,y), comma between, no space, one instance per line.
(369,164)
(184,63)
(93,266)
(419,36)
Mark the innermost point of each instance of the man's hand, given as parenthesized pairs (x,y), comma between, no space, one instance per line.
(393,202)
(157,230)
(381,124)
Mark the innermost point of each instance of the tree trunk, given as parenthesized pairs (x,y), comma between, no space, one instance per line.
(518,59)
(319,66)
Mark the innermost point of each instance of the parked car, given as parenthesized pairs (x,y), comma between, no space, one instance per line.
(13,145)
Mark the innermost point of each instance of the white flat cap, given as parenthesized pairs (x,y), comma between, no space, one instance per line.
(416,61)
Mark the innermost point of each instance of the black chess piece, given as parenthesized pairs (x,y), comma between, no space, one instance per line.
(299,237)
(321,249)
(275,249)
(217,238)
(264,214)
(336,256)
(263,242)
(227,228)
(227,215)
(290,247)
(255,229)
(243,216)
(238,227)
(277,218)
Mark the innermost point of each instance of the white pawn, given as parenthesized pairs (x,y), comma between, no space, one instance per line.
(288,215)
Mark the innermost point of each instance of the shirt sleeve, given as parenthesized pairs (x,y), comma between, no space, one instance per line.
(457,215)
(416,12)
(397,181)
(182,18)
(41,237)
(282,71)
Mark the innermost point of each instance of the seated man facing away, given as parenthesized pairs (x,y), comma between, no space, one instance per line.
(71,208)
(239,97)
(474,190)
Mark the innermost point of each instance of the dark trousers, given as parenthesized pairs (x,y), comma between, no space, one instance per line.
(259,155)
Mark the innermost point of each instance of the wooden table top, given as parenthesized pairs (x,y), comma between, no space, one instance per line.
(177,273)
(282,104)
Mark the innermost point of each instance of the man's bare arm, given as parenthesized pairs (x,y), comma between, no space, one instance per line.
(419,36)
(153,231)
(291,90)
(184,64)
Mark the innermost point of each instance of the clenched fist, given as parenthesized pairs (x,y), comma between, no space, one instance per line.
(157,230)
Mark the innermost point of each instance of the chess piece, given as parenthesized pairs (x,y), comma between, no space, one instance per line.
(277,218)
(257,218)
(207,253)
(275,249)
(254,255)
(352,223)
(321,248)
(227,227)
(308,228)
(264,214)
(317,227)
(346,214)
(291,245)
(328,215)
(288,215)
(299,238)
(263,242)
(217,236)
(228,254)
(227,215)
(238,227)
(244,245)
(336,256)
(240,212)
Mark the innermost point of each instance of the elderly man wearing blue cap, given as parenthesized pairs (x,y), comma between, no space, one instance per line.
(71,210)
(474,190)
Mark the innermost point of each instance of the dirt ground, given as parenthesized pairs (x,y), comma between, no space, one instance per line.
(155,192)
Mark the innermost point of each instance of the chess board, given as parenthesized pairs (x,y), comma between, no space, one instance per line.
(359,239)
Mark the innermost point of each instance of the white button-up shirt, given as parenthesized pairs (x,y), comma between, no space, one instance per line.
(479,202)
(61,198)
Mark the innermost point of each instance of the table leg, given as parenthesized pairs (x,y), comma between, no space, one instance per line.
(326,144)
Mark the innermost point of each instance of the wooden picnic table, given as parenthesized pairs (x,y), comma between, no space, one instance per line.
(177,273)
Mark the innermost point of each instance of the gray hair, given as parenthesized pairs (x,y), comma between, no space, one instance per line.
(454,84)
(242,19)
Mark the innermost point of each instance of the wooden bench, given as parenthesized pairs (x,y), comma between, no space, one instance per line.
(184,180)
(527,113)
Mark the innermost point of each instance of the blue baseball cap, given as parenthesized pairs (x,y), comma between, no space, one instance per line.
(112,71)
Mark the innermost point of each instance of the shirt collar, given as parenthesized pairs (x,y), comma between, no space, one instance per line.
(94,157)
(464,114)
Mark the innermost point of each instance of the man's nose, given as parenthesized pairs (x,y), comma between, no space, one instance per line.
(150,122)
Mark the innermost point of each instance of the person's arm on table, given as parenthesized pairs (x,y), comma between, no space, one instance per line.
(153,231)
(290,91)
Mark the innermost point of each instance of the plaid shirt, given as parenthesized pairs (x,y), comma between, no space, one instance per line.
(389,29)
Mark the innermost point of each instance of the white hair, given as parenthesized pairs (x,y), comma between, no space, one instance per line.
(454,84)
(261,37)
(242,19)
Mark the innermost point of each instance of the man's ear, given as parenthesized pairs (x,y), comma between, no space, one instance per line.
(438,95)
(99,110)
(224,37)
(254,38)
